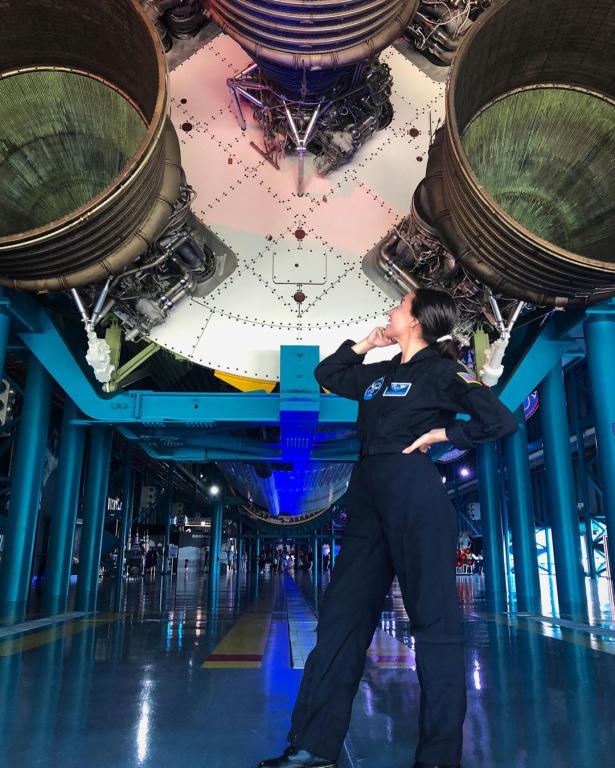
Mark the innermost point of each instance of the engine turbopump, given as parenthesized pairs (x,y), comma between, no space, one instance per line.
(439,26)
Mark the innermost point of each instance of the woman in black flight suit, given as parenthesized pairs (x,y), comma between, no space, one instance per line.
(400,522)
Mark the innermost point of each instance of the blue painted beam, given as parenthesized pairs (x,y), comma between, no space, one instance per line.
(128,483)
(39,334)
(192,455)
(562,494)
(299,412)
(491,521)
(215,539)
(26,479)
(64,512)
(94,509)
(599,331)
(521,516)
(168,514)
(553,342)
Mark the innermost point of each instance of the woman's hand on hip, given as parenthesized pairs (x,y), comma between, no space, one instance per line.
(423,442)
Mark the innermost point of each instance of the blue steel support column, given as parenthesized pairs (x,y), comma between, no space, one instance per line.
(94,509)
(64,513)
(168,512)
(563,503)
(521,516)
(599,330)
(25,492)
(127,499)
(215,546)
(491,522)
(316,564)
(582,467)
(239,551)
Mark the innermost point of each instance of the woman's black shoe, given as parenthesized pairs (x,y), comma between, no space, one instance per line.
(297,758)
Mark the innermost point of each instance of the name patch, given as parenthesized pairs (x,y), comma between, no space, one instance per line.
(397,389)
(468,378)
(373,388)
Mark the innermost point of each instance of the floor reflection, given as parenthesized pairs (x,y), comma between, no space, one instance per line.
(127,687)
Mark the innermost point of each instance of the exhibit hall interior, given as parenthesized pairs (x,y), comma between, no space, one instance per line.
(307,413)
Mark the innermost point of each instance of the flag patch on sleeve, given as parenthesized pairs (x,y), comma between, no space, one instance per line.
(468,377)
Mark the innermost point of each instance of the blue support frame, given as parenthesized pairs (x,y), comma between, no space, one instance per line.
(194,420)
(64,513)
(25,493)
(599,329)
(491,521)
(522,523)
(95,507)
(562,495)
(559,338)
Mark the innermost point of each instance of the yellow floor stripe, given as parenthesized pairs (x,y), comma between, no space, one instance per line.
(243,647)
(388,652)
(37,639)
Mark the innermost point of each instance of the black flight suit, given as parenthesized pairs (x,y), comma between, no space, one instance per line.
(400,522)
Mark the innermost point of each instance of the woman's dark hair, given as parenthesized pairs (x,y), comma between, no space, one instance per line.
(436,311)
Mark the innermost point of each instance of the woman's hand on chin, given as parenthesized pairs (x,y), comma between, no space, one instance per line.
(423,442)
(378,338)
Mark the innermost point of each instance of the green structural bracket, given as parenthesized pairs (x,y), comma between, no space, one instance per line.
(480,341)
(113,337)
(125,372)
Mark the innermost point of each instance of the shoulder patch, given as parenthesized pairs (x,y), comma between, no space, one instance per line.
(469,378)
(373,388)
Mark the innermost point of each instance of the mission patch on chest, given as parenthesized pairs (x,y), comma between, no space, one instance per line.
(373,388)
(397,389)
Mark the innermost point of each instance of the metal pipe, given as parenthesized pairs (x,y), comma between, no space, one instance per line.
(496,310)
(310,128)
(80,306)
(515,315)
(291,124)
(405,281)
(100,301)
(248,96)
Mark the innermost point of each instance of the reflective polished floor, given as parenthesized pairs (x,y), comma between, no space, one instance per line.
(155,678)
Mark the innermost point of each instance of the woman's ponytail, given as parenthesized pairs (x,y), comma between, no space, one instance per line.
(437,313)
(447,349)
